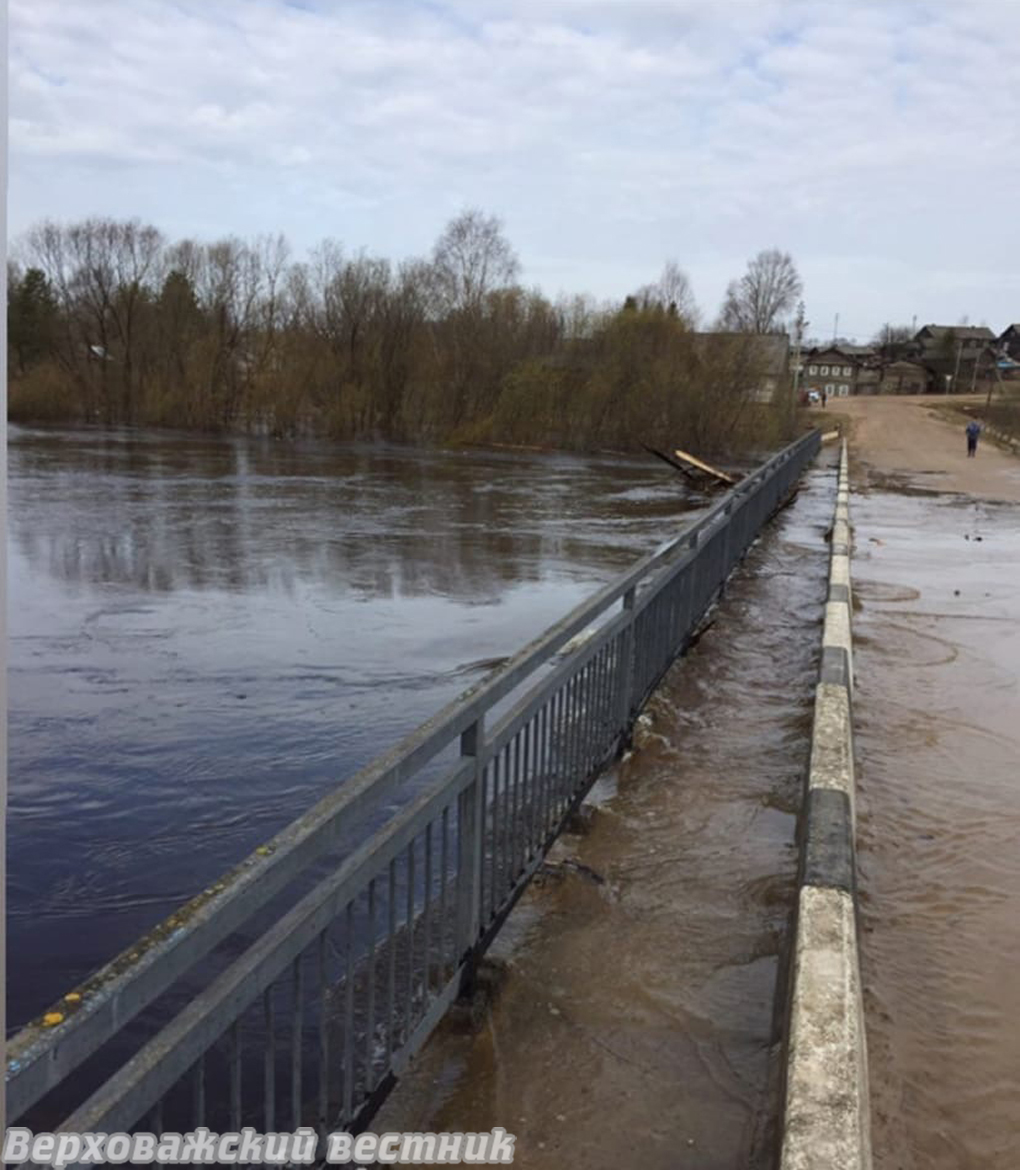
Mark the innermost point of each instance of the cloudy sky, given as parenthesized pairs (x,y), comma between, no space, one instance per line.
(877,141)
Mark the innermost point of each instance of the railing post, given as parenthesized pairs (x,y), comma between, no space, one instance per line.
(470,842)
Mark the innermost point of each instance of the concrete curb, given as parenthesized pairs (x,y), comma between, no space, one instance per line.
(826,1119)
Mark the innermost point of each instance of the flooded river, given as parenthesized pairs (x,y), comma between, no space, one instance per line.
(937,705)
(206,635)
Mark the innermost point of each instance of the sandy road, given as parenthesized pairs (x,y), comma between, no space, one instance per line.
(905,437)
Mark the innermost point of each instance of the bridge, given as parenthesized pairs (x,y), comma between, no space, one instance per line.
(297,990)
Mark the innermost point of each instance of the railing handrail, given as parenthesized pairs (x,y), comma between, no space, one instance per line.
(40,1056)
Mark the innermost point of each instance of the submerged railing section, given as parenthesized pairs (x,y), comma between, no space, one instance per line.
(307,1017)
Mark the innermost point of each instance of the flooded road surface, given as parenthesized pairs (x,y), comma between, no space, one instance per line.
(207,635)
(937,706)
(636,1021)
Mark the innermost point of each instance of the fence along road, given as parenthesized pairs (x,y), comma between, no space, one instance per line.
(314,1021)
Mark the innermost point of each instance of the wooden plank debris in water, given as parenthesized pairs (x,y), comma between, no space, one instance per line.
(705,468)
(694,469)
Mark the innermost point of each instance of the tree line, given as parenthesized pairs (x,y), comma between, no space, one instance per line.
(111,323)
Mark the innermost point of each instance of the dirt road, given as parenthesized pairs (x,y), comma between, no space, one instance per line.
(907,439)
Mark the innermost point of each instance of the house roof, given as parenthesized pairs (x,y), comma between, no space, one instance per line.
(973,332)
(854,352)
(1015,327)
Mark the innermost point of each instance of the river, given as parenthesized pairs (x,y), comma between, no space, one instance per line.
(207,634)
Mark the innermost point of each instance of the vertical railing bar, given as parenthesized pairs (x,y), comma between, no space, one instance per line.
(269,1062)
(577,707)
(505,866)
(427,912)
(511,820)
(566,732)
(348,1065)
(324,1054)
(444,867)
(409,1018)
(555,758)
(535,767)
(483,795)
(370,1007)
(594,718)
(584,706)
(560,766)
(591,734)
(540,763)
(604,733)
(297,1041)
(494,856)
(391,956)
(235,1075)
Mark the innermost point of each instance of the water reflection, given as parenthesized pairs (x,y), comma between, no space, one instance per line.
(162,515)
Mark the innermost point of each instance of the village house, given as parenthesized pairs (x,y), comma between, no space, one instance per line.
(1008,342)
(835,370)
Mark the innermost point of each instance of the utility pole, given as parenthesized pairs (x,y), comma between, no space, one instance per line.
(798,336)
(959,355)
(988,397)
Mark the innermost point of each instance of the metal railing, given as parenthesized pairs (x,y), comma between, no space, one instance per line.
(312,1021)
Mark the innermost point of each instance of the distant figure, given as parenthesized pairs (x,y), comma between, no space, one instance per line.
(825,399)
(973,430)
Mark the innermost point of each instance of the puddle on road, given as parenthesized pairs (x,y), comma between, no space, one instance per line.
(636,1024)
(937,637)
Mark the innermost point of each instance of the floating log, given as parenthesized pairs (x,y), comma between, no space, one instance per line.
(705,468)
(671,461)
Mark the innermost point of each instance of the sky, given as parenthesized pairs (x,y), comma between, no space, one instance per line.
(878,142)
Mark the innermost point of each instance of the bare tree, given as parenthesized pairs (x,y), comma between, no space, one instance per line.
(758,302)
(471,259)
(893,341)
(675,291)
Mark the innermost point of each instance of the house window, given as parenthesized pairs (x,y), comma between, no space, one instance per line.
(844,390)
(829,387)
(847,371)
(812,369)
(824,370)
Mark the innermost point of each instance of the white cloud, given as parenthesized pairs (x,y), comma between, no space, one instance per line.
(876,141)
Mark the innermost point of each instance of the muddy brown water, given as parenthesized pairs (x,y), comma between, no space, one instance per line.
(636,1021)
(937,708)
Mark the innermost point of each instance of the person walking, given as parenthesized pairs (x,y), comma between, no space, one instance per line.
(973,430)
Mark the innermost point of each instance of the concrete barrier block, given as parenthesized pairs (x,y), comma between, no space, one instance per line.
(827,1126)
(836,631)
(832,757)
